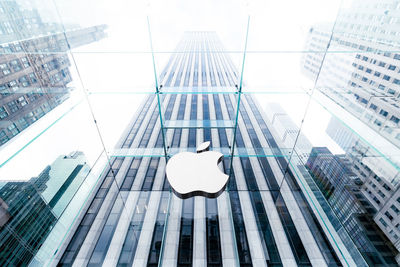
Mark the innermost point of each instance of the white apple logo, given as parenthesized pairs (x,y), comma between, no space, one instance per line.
(191,174)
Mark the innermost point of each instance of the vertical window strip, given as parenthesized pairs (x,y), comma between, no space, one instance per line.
(288,224)
(242,243)
(258,206)
(214,255)
(236,210)
(185,247)
(133,131)
(322,240)
(135,227)
(156,241)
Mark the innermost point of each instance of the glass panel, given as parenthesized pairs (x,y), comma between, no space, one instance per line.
(301,99)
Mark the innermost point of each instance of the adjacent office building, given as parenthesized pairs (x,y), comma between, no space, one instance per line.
(362,71)
(34,214)
(34,66)
(341,187)
(287,132)
(265,217)
(379,176)
(362,75)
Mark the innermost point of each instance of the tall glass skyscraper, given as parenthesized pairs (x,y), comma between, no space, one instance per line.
(266,216)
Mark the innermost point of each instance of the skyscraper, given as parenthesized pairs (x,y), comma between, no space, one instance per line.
(341,187)
(379,176)
(34,65)
(266,216)
(34,76)
(360,74)
(33,213)
(287,131)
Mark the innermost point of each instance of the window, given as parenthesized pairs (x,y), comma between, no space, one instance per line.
(32,76)
(381,194)
(13,85)
(23,81)
(15,65)
(368,70)
(3,113)
(382,221)
(386,187)
(13,129)
(377,73)
(395,209)
(22,101)
(392,67)
(395,119)
(22,123)
(389,216)
(396,81)
(391,91)
(382,64)
(386,77)
(25,62)
(381,86)
(388,129)
(4,67)
(3,137)
(4,90)
(372,106)
(383,112)
(46,67)
(397,56)
(12,106)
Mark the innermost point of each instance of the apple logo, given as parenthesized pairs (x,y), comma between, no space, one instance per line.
(191,174)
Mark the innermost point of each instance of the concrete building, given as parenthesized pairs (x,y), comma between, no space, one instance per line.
(379,176)
(341,187)
(358,72)
(32,83)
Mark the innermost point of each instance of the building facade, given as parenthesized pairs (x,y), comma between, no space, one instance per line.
(34,76)
(342,188)
(265,217)
(287,132)
(32,212)
(361,74)
(358,72)
(379,177)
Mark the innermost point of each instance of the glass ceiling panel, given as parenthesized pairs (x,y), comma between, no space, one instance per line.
(51,136)
(283,26)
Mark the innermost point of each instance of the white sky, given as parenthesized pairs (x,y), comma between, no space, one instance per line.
(118,68)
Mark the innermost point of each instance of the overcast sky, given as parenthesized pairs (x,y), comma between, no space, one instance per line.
(115,70)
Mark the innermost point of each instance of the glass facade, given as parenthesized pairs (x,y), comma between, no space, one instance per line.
(300,97)
(195,230)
